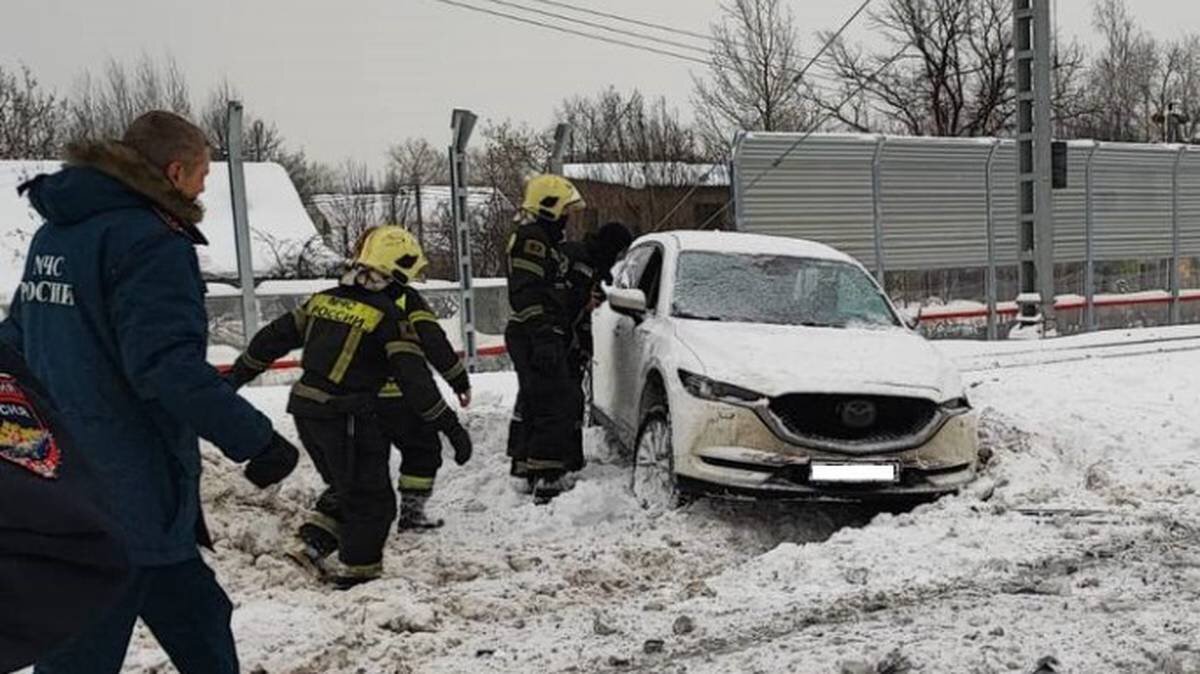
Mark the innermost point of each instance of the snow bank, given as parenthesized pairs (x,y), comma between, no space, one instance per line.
(1081,540)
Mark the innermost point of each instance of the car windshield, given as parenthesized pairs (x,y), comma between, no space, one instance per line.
(779,290)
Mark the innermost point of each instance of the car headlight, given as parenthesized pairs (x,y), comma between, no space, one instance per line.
(958,405)
(709,389)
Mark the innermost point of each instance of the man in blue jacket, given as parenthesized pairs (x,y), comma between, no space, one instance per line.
(110,317)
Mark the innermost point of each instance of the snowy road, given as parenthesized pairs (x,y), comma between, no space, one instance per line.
(1081,542)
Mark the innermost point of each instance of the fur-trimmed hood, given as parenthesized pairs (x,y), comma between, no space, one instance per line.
(128,181)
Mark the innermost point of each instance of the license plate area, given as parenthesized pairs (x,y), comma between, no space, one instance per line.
(854,473)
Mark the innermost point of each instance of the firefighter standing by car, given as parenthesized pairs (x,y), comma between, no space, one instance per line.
(417,439)
(591,262)
(536,338)
(354,337)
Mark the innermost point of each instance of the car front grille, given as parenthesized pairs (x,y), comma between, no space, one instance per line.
(853,419)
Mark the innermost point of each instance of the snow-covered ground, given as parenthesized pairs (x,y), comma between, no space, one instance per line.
(1081,541)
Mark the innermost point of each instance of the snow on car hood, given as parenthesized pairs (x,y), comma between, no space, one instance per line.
(777,359)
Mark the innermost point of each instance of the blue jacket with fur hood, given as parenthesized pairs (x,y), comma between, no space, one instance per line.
(110,317)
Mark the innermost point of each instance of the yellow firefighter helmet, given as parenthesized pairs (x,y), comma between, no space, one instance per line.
(550,197)
(392,251)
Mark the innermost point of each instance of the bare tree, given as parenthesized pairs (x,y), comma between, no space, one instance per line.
(755,60)
(1120,78)
(261,140)
(31,119)
(103,106)
(415,165)
(625,128)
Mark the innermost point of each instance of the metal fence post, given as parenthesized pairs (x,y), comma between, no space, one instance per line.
(993,331)
(1089,244)
(241,223)
(1175,234)
(877,210)
(463,122)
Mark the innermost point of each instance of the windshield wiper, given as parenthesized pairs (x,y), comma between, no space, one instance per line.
(697,317)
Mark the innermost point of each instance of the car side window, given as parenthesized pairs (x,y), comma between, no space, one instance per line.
(631,269)
(651,279)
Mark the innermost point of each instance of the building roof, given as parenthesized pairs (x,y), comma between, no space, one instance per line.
(640,175)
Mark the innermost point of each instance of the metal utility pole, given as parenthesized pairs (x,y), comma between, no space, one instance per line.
(562,140)
(241,222)
(1035,195)
(462,122)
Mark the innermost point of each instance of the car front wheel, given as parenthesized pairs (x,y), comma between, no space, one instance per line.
(653,483)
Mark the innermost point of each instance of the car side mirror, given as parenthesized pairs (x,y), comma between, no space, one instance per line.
(912,319)
(628,301)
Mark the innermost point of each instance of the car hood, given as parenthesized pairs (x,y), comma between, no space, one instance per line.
(778,359)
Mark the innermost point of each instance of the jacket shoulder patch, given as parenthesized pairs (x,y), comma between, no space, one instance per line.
(535,248)
(24,438)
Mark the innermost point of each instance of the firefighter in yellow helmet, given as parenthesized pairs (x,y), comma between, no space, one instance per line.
(417,439)
(354,338)
(536,338)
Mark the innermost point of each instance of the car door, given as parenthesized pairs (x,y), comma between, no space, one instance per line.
(611,332)
(637,338)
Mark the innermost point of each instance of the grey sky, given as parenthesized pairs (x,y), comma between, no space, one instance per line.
(344,78)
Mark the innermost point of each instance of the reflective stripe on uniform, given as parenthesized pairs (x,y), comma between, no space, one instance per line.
(390,390)
(253,363)
(349,348)
(584,269)
(531,267)
(436,411)
(311,393)
(418,316)
(528,313)
(544,464)
(324,523)
(401,346)
(414,483)
(457,371)
(301,320)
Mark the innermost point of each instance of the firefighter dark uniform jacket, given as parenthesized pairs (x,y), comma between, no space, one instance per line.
(110,318)
(583,279)
(417,315)
(354,340)
(537,279)
(61,558)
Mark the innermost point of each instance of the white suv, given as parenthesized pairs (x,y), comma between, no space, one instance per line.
(754,365)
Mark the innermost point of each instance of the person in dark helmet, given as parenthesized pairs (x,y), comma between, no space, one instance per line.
(354,338)
(590,264)
(110,318)
(61,558)
(536,337)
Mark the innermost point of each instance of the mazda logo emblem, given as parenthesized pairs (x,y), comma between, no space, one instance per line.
(859,414)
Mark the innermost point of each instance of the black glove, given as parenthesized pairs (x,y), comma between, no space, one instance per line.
(240,374)
(275,463)
(548,351)
(458,437)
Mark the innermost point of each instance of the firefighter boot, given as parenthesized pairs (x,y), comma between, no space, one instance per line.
(549,484)
(412,514)
(315,544)
(343,576)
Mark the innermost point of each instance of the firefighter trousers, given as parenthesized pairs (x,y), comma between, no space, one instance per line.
(419,444)
(543,435)
(351,453)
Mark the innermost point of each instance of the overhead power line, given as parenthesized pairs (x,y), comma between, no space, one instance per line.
(625,19)
(578,33)
(599,26)
(778,161)
(795,81)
